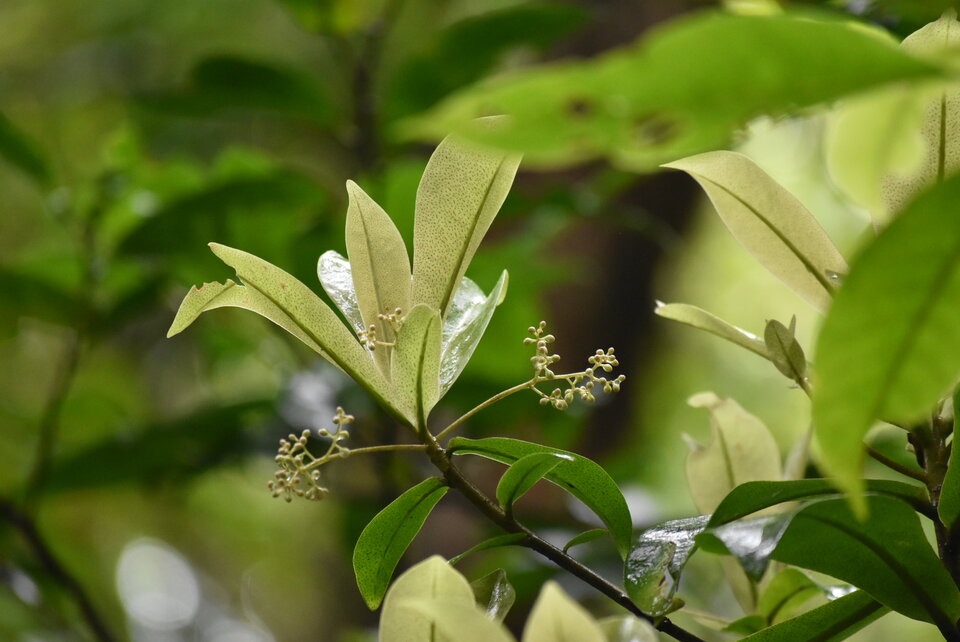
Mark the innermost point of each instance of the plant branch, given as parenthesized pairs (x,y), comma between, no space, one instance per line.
(27,528)
(526,385)
(494,513)
(915,473)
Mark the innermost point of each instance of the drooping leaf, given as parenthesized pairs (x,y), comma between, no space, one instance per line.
(876,360)
(742,450)
(785,351)
(627,628)
(652,570)
(752,541)
(464,324)
(691,83)
(698,318)
(336,277)
(379,265)
(887,555)
(579,476)
(494,594)
(384,540)
(523,474)
(17,149)
(752,497)
(508,539)
(416,363)
(555,617)
(278,296)
(462,189)
(834,621)
(769,222)
(432,601)
(948,507)
(585,537)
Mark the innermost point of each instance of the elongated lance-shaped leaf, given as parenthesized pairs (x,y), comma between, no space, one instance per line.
(380,267)
(523,474)
(556,617)
(699,318)
(336,277)
(887,555)
(462,188)
(585,537)
(507,539)
(949,506)
(785,351)
(416,363)
(769,222)
(464,324)
(494,593)
(834,621)
(283,299)
(450,621)
(890,347)
(387,536)
(581,477)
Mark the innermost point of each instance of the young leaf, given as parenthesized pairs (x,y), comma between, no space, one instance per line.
(278,296)
(887,555)
(877,360)
(785,351)
(464,324)
(698,318)
(557,618)
(652,570)
(336,277)
(742,450)
(508,539)
(834,621)
(379,265)
(462,188)
(627,628)
(584,479)
(416,363)
(949,505)
(751,497)
(769,222)
(495,594)
(523,474)
(432,601)
(384,540)
(584,537)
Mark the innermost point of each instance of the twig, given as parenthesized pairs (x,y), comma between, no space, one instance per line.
(915,473)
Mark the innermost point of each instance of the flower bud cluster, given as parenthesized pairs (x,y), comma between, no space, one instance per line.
(299,473)
(372,336)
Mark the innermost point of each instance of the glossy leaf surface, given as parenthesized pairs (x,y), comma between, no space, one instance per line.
(581,477)
(834,621)
(387,536)
(523,474)
(336,277)
(494,594)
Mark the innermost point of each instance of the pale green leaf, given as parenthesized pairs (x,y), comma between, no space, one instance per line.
(462,189)
(627,628)
(741,450)
(336,277)
(494,594)
(699,318)
(555,617)
(385,539)
(769,222)
(280,297)
(432,601)
(523,474)
(416,363)
(379,265)
(890,347)
(464,324)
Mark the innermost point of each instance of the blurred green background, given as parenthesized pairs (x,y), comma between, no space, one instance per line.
(133,132)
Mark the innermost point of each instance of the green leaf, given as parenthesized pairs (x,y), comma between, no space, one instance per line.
(769,222)
(878,360)
(464,324)
(495,594)
(652,569)
(523,474)
(785,351)
(785,594)
(557,618)
(384,540)
(416,363)
(584,479)
(751,497)
(508,539)
(584,537)
(742,450)
(21,152)
(627,628)
(691,83)
(278,296)
(379,265)
(751,541)
(949,506)
(432,601)
(834,621)
(887,555)
(699,318)
(462,188)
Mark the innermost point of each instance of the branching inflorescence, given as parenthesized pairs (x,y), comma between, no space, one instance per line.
(299,473)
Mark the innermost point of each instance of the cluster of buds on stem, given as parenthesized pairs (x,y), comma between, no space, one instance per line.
(299,473)
(369,336)
(579,385)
